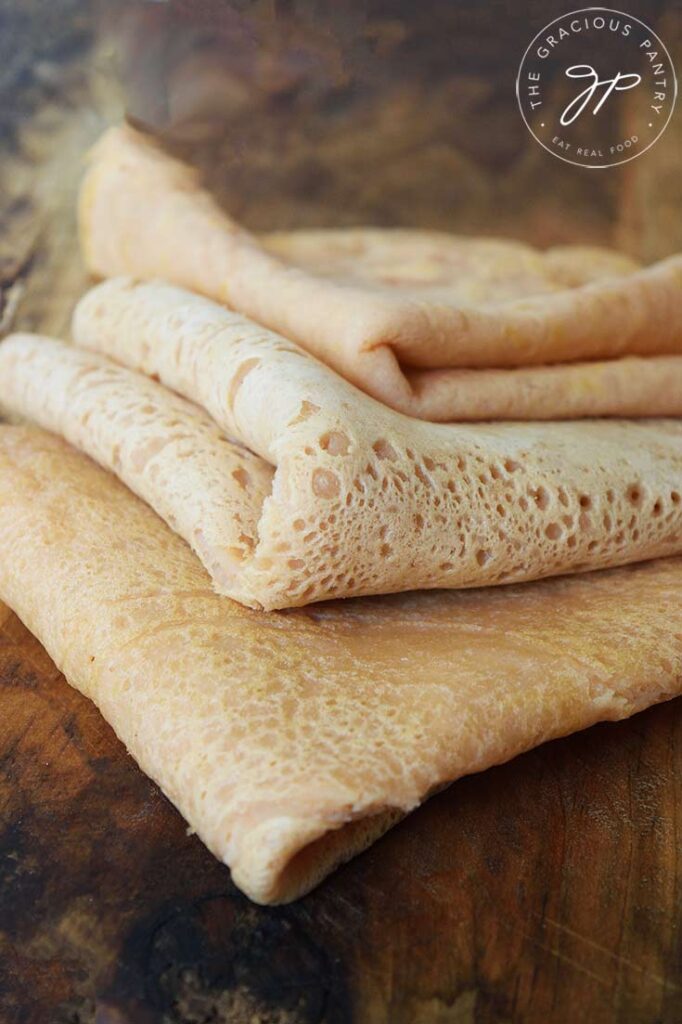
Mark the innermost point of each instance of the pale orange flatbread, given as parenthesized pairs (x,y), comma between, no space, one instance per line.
(401,314)
(443,267)
(290,742)
(206,487)
(367,501)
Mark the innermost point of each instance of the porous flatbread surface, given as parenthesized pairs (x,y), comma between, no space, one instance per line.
(439,327)
(367,501)
(208,488)
(289,742)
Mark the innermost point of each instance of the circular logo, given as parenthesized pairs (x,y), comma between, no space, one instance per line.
(596,87)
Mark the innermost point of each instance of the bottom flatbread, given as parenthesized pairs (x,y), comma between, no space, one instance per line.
(290,741)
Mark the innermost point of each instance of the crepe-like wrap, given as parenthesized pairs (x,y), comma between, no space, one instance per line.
(425,322)
(363,500)
(207,488)
(367,501)
(290,742)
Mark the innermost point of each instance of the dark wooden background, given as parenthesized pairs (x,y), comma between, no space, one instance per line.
(547,891)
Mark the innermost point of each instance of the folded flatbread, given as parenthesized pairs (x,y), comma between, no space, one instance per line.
(362,500)
(367,501)
(206,487)
(436,326)
(290,742)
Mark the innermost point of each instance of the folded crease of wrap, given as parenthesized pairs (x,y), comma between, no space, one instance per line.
(439,327)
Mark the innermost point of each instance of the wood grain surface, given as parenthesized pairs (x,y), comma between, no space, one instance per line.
(547,891)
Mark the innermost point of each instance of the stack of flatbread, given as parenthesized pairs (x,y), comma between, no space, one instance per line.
(268,429)
(435,326)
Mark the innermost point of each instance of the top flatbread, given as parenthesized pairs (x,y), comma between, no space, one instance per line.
(441,267)
(437,267)
(403,315)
